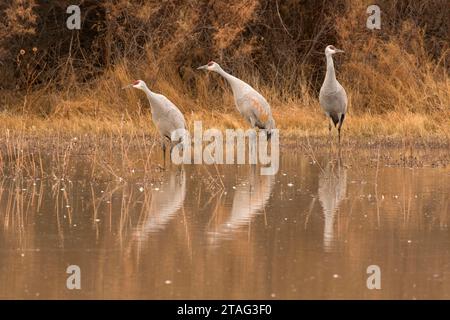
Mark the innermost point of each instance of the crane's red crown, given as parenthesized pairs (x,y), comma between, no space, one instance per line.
(210,63)
(135,82)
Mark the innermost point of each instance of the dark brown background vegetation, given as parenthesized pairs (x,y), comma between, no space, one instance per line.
(277,46)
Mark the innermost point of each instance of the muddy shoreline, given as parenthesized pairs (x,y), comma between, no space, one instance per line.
(115,154)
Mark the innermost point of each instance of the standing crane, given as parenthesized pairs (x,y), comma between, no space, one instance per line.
(332,96)
(249,102)
(165,114)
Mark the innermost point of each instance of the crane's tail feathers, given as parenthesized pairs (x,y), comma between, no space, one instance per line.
(269,134)
(335,118)
(270,124)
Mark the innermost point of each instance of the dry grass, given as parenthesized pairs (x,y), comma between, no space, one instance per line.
(293,123)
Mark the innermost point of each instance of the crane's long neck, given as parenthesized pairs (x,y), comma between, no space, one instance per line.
(330,81)
(235,83)
(151,96)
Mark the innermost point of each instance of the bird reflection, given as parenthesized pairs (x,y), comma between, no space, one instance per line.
(332,190)
(250,199)
(165,204)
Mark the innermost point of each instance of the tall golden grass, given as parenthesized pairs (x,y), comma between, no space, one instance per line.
(397,78)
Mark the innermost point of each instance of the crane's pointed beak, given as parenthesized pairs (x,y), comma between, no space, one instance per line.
(203,67)
(127,86)
(339,51)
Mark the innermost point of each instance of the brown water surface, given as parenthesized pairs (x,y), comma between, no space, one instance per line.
(211,232)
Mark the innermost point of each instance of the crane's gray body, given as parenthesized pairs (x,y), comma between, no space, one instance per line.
(249,102)
(256,110)
(333,101)
(165,115)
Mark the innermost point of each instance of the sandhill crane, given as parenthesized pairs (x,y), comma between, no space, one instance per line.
(249,102)
(332,190)
(332,97)
(165,114)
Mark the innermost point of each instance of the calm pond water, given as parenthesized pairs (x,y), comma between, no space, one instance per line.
(211,232)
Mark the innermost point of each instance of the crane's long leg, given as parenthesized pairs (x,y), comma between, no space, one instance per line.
(329,131)
(163,146)
(341,121)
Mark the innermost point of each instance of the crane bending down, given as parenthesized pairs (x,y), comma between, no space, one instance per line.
(332,96)
(165,114)
(249,102)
